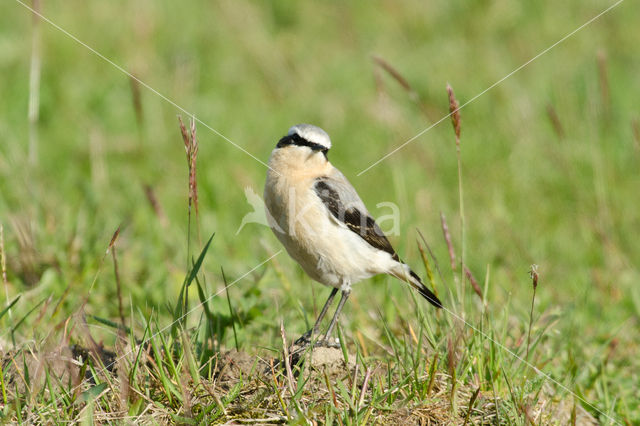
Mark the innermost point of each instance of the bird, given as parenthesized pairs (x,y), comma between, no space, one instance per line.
(324,225)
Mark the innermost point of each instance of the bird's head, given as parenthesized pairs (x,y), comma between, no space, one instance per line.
(307,137)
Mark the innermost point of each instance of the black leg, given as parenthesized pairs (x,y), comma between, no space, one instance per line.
(334,320)
(306,337)
(325,308)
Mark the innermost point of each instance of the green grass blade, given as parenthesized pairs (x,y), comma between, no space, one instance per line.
(9,306)
(179,313)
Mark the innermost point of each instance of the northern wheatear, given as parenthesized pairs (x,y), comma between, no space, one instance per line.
(323,223)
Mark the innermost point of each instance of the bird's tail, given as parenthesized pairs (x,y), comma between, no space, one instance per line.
(405,273)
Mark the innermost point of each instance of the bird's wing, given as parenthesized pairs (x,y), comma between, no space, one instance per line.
(344,204)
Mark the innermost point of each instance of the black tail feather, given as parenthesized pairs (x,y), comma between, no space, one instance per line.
(425,292)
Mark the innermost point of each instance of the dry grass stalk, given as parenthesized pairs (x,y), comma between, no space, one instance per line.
(155,205)
(533,273)
(472,402)
(555,121)
(395,74)
(474,283)
(454,112)
(431,113)
(191,149)
(534,276)
(447,239)
(365,385)
(114,238)
(287,361)
(187,402)
(193,183)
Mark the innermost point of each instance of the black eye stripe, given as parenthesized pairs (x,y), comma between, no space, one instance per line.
(298,140)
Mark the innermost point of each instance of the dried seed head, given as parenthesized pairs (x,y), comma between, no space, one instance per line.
(194,141)
(555,121)
(185,136)
(454,111)
(450,356)
(191,149)
(474,283)
(533,273)
(155,205)
(114,238)
(394,73)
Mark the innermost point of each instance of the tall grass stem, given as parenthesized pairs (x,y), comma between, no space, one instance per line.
(454,109)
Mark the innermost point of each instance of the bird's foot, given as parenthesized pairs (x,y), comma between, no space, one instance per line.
(307,343)
(304,340)
(321,342)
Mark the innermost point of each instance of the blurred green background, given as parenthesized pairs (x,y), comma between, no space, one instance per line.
(550,159)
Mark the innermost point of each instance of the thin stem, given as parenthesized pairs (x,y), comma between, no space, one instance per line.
(533,273)
(533,300)
(462,222)
(3,266)
(185,302)
(118,284)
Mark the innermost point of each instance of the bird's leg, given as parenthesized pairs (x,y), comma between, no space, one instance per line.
(306,337)
(334,320)
(325,308)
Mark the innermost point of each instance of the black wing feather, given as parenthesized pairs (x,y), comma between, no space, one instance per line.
(362,224)
(357,221)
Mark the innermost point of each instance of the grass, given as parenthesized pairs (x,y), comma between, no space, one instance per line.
(545,166)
